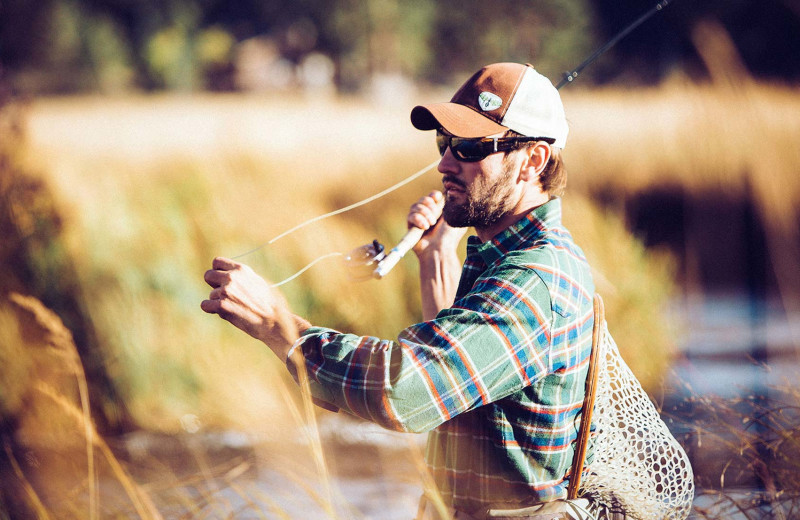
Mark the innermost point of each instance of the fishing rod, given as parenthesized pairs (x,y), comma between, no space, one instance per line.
(372,260)
(570,76)
(373,256)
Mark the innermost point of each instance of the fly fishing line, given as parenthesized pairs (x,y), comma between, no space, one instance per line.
(568,77)
(339,211)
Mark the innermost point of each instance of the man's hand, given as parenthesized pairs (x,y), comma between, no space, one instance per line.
(246,300)
(426,214)
(439,266)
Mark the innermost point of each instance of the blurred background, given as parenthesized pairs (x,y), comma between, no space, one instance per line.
(139,139)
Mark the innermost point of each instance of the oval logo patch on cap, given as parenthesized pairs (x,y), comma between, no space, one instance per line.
(488,101)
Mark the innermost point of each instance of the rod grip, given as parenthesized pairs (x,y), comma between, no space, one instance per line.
(408,241)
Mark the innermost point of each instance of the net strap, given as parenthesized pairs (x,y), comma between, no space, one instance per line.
(582,441)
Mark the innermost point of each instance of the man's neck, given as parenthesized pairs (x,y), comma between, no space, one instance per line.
(520,210)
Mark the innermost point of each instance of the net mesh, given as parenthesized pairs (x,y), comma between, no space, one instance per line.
(638,467)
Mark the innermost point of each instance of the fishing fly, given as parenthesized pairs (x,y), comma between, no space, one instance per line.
(371,261)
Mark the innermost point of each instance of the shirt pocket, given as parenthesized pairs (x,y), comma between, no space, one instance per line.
(563,299)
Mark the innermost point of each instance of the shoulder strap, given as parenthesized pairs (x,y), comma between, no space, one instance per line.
(582,442)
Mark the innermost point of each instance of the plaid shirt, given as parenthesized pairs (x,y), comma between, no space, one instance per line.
(498,378)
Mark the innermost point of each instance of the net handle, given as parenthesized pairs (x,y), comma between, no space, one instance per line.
(582,441)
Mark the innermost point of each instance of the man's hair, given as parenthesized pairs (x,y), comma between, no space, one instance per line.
(554,175)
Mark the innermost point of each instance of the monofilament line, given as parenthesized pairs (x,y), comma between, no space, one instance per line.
(307,267)
(342,210)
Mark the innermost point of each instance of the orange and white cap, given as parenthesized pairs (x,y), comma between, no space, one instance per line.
(499,97)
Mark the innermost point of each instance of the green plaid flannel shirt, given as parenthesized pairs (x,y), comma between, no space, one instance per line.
(497,379)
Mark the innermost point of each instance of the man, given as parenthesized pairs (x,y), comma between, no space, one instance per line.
(496,371)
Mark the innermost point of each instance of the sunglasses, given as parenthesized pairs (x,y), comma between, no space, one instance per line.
(472,149)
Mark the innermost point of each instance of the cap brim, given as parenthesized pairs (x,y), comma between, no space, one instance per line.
(456,119)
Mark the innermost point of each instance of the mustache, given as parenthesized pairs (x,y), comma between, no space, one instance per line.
(454,180)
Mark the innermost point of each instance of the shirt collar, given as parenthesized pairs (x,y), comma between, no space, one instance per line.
(519,234)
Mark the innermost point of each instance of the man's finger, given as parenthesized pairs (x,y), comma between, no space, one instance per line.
(218,293)
(418,221)
(224,308)
(434,204)
(211,306)
(425,220)
(215,278)
(224,264)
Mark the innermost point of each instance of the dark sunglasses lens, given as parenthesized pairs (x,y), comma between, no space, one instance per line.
(464,149)
(469,150)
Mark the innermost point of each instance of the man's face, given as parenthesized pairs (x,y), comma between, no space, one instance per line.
(478,194)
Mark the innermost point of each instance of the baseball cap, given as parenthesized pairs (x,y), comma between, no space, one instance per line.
(499,97)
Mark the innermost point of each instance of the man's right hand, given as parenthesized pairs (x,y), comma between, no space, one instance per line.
(439,265)
(426,214)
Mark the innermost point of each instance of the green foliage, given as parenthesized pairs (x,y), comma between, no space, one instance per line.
(507,30)
(108,55)
(180,56)
(170,58)
(140,254)
(89,45)
(182,44)
(214,46)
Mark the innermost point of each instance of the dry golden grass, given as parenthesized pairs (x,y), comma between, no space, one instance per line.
(151,188)
(726,139)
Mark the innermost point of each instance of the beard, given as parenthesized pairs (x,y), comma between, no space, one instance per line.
(485,203)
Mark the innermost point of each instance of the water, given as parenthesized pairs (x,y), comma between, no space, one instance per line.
(373,474)
(739,364)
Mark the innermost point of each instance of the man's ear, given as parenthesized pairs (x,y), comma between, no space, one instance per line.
(535,161)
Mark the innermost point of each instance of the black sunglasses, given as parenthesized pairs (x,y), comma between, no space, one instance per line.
(474,149)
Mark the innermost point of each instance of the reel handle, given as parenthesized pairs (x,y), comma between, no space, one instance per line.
(408,241)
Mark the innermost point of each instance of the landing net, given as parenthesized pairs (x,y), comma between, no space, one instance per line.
(638,466)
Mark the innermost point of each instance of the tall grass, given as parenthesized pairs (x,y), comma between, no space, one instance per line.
(749,448)
(149,190)
(261,176)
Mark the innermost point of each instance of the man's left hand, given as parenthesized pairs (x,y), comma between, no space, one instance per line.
(247,301)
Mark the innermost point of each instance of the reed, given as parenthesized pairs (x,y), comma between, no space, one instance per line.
(151,189)
(753,444)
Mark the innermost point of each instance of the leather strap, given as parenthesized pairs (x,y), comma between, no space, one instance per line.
(582,441)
